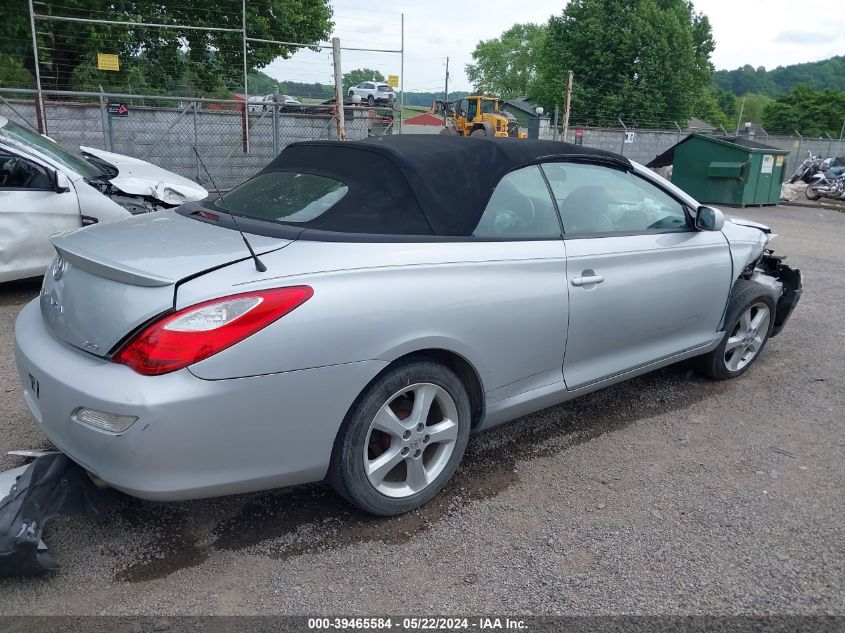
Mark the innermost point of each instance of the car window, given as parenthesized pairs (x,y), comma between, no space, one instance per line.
(520,207)
(384,89)
(17,173)
(285,196)
(600,199)
(53,150)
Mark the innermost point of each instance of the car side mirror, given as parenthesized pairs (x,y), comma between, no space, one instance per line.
(62,183)
(709,219)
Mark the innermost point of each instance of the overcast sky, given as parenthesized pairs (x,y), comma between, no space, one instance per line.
(775,33)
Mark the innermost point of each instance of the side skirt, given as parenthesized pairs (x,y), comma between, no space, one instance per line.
(550,395)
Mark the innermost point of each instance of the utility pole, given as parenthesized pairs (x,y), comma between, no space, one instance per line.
(338,90)
(739,120)
(566,104)
(446,93)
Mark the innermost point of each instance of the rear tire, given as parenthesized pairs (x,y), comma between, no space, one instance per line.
(371,101)
(748,323)
(479,132)
(448,131)
(403,438)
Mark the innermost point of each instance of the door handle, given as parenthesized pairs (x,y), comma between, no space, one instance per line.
(587,279)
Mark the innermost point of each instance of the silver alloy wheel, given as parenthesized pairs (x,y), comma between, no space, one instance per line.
(748,336)
(410,440)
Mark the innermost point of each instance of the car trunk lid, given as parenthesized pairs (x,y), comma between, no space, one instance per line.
(111,278)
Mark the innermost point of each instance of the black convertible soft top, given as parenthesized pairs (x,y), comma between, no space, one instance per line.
(420,184)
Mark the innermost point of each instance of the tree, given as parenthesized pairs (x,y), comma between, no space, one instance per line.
(202,61)
(506,65)
(646,62)
(354,77)
(716,107)
(811,112)
(754,106)
(827,74)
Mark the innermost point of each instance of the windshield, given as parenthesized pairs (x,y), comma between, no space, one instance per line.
(33,139)
(284,196)
(488,106)
(384,88)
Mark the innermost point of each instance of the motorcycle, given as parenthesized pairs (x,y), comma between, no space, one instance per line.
(827,183)
(807,169)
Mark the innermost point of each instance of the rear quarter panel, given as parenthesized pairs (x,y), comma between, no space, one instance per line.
(500,305)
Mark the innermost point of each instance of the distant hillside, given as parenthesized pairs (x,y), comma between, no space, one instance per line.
(828,74)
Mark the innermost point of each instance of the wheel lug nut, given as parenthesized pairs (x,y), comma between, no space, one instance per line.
(405,451)
(420,426)
(426,438)
(406,435)
(417,453)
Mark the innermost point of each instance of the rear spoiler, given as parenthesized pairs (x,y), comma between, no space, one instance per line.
(105,267)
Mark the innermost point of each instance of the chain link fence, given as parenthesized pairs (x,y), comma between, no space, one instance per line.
(234,141)
(643,145)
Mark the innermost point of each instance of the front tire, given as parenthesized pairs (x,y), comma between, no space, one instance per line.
(479,132)
(812,192)
(748,324)
(403,439)
(371,101)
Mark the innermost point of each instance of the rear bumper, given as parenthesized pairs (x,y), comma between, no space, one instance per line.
(193,437)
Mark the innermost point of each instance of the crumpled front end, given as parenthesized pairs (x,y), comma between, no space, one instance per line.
(792,284)
(754,261)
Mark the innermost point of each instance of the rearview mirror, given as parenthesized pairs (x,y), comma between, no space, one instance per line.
(709,219)
(62,183)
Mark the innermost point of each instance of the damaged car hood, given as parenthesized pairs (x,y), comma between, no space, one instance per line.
(140,178)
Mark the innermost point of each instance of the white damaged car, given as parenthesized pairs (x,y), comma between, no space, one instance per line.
(45,189)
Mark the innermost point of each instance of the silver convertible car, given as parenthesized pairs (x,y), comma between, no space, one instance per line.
(403,293)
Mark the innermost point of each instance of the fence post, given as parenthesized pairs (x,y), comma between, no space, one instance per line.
(829,143)
(567,103)
(679,131)
(624,132)
(196,142)
(554,129)
(275,121)
(106,123)
(765,132)
(246,87)
(40,115)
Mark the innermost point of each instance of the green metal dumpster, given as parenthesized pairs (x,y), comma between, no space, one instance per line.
(729,170)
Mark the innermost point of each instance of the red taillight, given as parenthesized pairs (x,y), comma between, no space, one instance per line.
(193,334)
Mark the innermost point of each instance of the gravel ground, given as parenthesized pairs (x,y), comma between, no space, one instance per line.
(669,494)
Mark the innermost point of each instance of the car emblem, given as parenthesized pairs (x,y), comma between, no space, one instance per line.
(59,268)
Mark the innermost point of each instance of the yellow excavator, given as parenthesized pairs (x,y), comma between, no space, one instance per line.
(477,115)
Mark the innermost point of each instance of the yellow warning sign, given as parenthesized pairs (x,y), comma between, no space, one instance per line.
(393,81)
(107,61)
(778,161)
